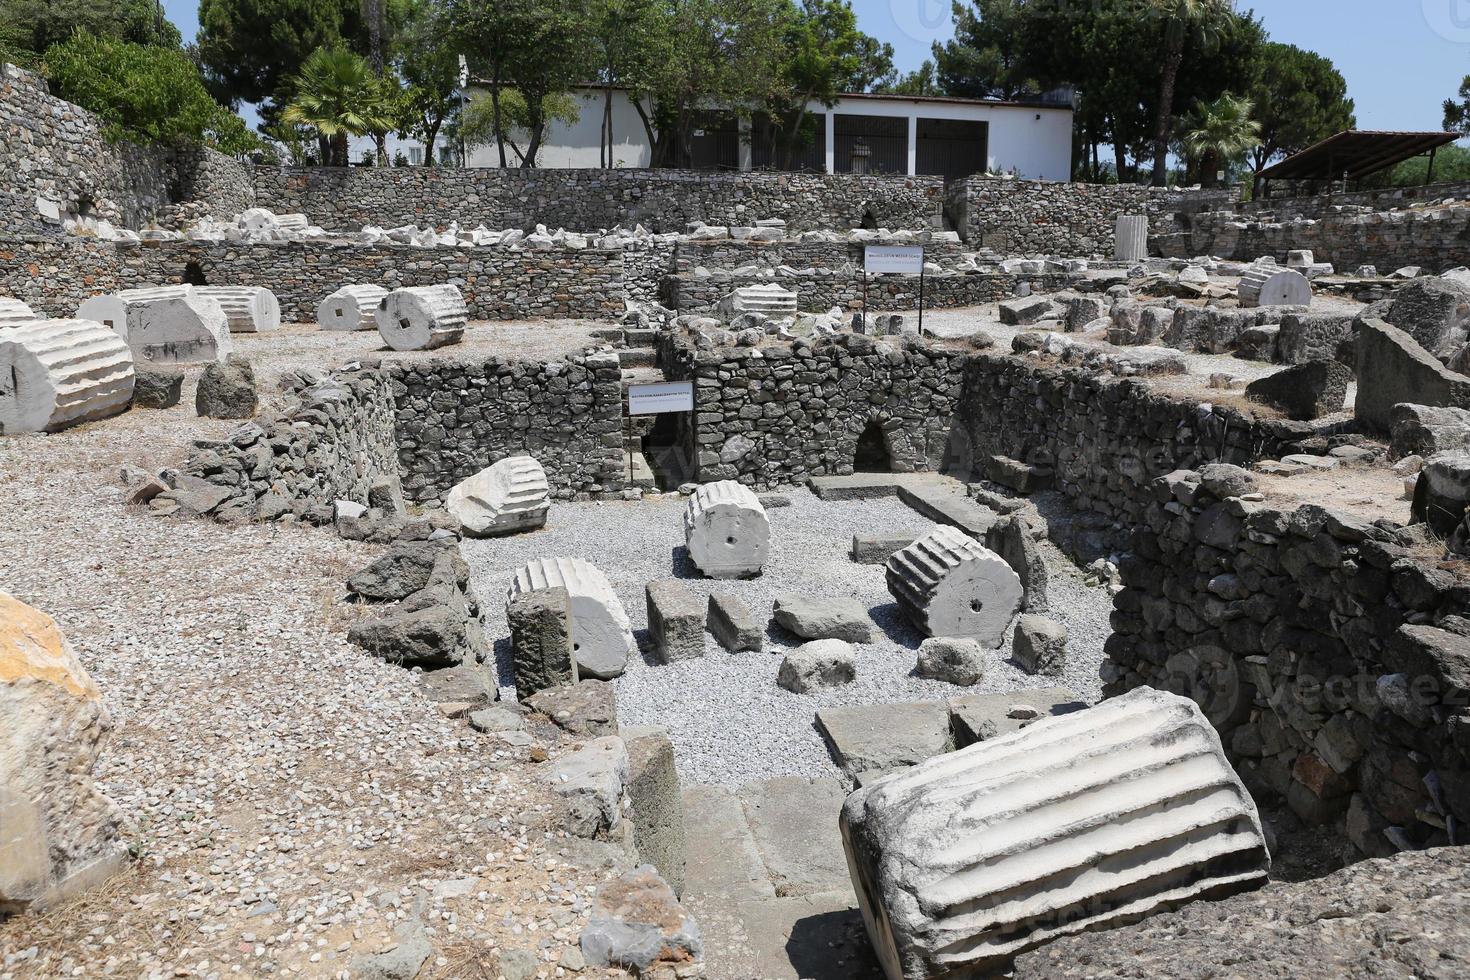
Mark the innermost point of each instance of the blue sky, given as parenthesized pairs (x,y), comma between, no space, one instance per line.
(1401,58)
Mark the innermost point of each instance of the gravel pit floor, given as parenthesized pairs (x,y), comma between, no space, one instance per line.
(729,721)
(293,802)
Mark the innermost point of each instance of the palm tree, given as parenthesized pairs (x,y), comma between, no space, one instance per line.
(338,94)
(1204,20)
(1216,133)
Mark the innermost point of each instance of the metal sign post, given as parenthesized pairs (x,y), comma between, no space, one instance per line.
(904,259)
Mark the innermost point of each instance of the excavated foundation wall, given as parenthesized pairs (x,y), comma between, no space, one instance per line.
(580,200)
(819,293)
(773,416)
(454,418)
(1326,648)
(333,444)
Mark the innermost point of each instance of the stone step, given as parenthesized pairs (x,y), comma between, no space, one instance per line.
(639,338)
(641,376)
(948,505)
(867,486)
(641,474)
(633,357)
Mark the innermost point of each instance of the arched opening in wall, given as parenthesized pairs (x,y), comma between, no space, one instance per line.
(873,454)
(194,274)
(870,220)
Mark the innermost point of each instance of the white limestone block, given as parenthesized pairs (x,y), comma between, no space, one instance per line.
(1271,285)
(58,834)
(59,373)
(770,299)
(111,309)
(726,530)
(14,313)
(247,309)
(422,317)
(1080,821)
(949,584)
(602,635)
(181,329)
(1130,238)
(507,497)
(350,308)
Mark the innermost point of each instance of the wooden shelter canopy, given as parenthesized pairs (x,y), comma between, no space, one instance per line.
(1355,154)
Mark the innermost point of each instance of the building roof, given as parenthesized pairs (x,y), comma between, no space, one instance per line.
(1355,153)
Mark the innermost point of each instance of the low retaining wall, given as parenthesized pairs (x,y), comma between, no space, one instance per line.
(333,445)
(455,418)
(817,294)
(1295,631)
(775,415)
(1436,240)
(662,200)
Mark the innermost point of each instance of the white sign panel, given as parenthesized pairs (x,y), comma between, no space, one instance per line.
(665,396)
(908,259)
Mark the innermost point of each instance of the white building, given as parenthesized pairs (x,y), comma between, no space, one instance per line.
(883,133)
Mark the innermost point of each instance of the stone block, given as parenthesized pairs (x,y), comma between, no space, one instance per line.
(732,624)
(59,836)
(157,387)
(61,373)
(793,821)
(954,660)
(1269,285)
(875,549)
(817,618)
(592,780)
(1306,391)
(1010,537)
(675,622)
(602,636)
(586,708)
(227,391)
(1394,368)
(351,308)
(422,317)
(948,584)
(507,497)
(981,717)
(247,309)
(657,802)
(1040,645)
(871,740)
(541,640)
(1078,822)
(726,530)
(816,666)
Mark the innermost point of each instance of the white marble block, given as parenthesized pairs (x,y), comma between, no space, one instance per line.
(1271,285)
(248,309)
(58,834)
(1077,822)
(506,497)
(1130,238)
(14,313)
(726,530)
(602,635)
(949,584)
(111,309)
(769,299)
(186,329)
(350,308)
(59,373)
(422,317)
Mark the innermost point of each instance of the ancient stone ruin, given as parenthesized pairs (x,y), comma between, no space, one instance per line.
(550,573)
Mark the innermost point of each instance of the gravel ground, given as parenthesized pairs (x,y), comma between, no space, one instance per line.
(292,801)
(729,722)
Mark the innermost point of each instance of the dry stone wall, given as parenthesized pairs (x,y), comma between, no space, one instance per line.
(1327,649)
(775,415)
(455,418)
(55,273)
(56,151)
(332,444)
(818,293)
(662,200)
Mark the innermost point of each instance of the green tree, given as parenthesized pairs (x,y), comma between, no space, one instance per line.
(428,62)
(339,95)
(1217,134)
(1300,99)
(509,120)
(142,93)
(540,49)
(29,27)
(252,50)
(991,53)
(629,38)
(825,55)
(1457,114)
(920,81)
(1202,21)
